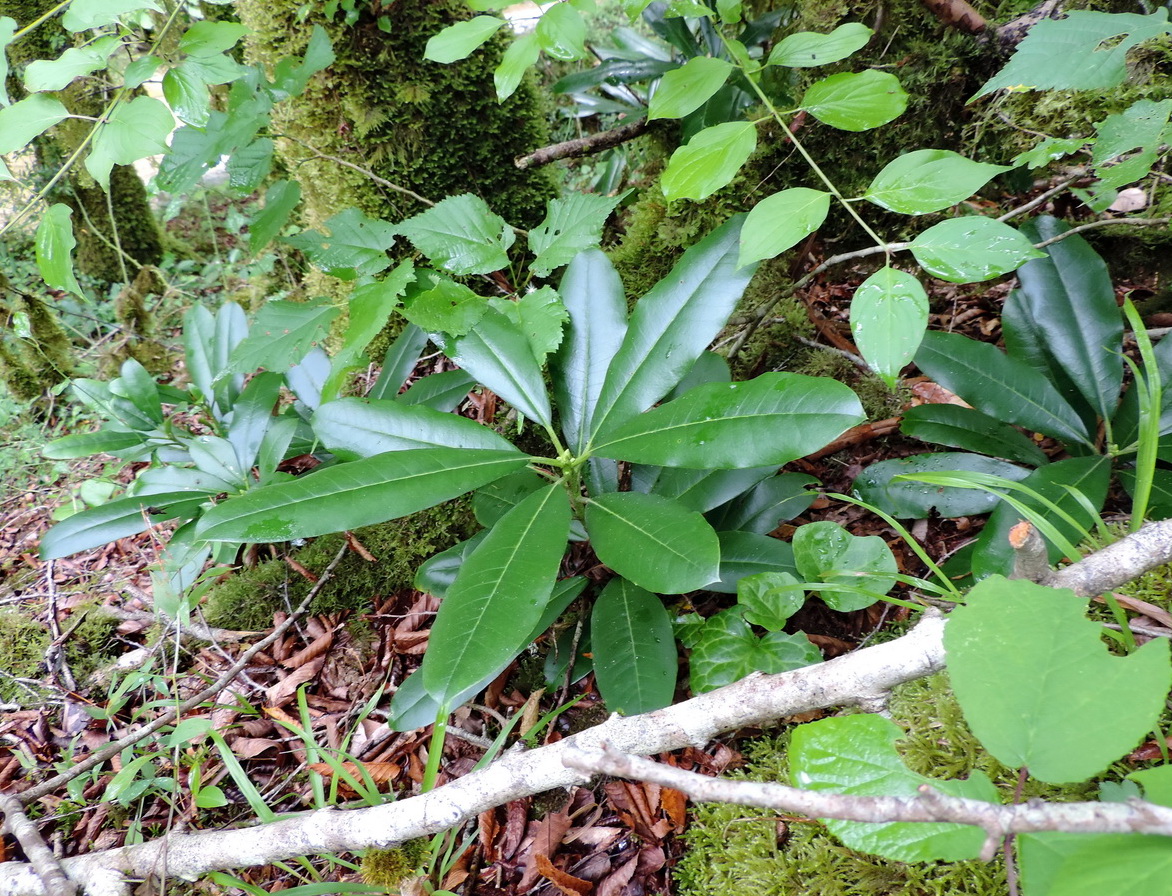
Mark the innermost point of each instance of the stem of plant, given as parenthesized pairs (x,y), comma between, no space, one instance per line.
(435,748)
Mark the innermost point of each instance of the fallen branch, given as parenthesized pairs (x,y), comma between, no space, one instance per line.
(582,146)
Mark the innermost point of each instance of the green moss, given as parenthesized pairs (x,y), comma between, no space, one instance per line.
(93,643)
(390,867)
(31,365)
(23,643)
(247,601)
(139,336)
(736,850)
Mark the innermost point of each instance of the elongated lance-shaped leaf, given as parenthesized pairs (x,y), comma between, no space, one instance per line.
(497,353)
(352,428)
(499,594)
(371,490)
(593,296)
(635,660)
(999,385)
(116,519)
(1064,320)
(770,420)
(672,325)
(398,362)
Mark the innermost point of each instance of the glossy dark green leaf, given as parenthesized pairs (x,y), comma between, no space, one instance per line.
(398,362)
(635,660)
(726,650)
(1064,319)
(352,427)
(1000,386)
(767,504)
(496,499)
(705,489)
(498,595)
(918,500)
(371,490)
(441,391)
(83,444)
(139,388)
(655,542)
(826,552)
(436,574)
(593,296)
(115,519)
(967,428)
(251,415)
(671,326)
(497,353)
(709,368)
(747,554)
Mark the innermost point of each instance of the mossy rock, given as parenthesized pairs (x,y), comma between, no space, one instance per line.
(737,850)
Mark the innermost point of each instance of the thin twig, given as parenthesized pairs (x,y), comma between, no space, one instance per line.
(1038,200)
(381,181)
(1104,222)
(583,146)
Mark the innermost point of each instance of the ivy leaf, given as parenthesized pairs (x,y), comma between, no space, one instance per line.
(461,234)
(972,249)
(928,180)
(808,48)
(726,650)
(1035,680)
(54,247)
(573,224)
(780,221)
(856,102)
(683,90)
(31,117)
(889,314)
(283,334)
(357,245)
(708,161)
(459,40)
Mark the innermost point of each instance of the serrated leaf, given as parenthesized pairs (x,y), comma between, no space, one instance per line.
(499,594)
(370,307)
(56,74)
(250,165)
(889,314)
(770,420)
(1035,681)
(572,225)
(134,131)
(708,161)
(635,661)
(809,48)
(856,102)
(918,500)
(461,234)
(726,650)
(687,88)
(520,55)
(31,117)
(826,552)
(540,315)
(459,40)
(1046,151)
(1139,129)
(283,334)
(655,542)
(54,249)
(928,180)
(187,95)
(972,249)
(356,245)
(781,221)
(351,428)
(447,307)
(856,755)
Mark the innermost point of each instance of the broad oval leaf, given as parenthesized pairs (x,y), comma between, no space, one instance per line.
(461,234)
(745,554)
(826,552)
(780,221)
(856,755)
(769,599)
(561,33)
(635,660)
(687,88)
(972,249)
(889,314)
(708,161)
(969,429)
(499,594)
(351,427)
(458,40)
(655,542)
(726,650)
(770,420)
(1000,386)
(928,180)
(521,53)
(371,490)
(116,519)
(54,249)
(809,48)
(1018,651)
(31,117)
(856,102)
(918,500)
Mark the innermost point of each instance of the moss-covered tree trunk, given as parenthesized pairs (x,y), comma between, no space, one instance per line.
(435,129)
(132,226)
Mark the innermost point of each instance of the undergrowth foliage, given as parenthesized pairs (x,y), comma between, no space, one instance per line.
(648,451)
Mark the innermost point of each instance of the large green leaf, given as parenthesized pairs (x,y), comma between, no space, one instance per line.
(280,200)
(825,552)
(708,161)
(748,554)
(635,661)
(971,249)
(780,221)
(351,427)
(1064,319)
(439,391)
(856,755)
(540,315)
(768,503)
(133,131)
(84,14)
(498,354)
(283,334)
(1138,132)
(462,235)
(969,429)
(705,489)
(687,88)
(54,249)
(1109,863)
(116,519)
(928,180)
(593,296)
(856,101)
(770,420)
(1000,386)
(727,650)
(807,49)
(917,500)
(371,490)
(889,314)
(83,444)
(1036,683)
(671,326)
(457,41)
(572,225)
(398,362)
(76,62)
(29,118)
(655,542)
(498,595)
(251,416)
(356,245)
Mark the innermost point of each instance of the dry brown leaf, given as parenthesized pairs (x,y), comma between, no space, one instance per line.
(516,814)
(566,883)
(613,884)
(310,652)
(251,747)
(934,393)
(382,773)
(674,804)
(1159,614)
(283,691)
